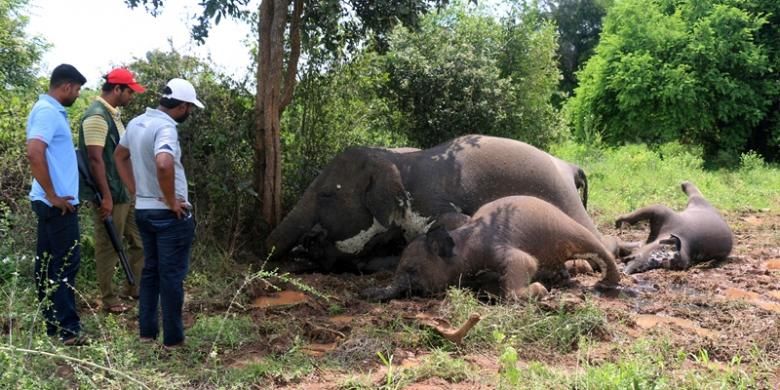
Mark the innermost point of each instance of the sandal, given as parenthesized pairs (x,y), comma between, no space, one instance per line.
(76,341)
(117,308)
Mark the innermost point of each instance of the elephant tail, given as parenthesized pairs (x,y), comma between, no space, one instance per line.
(581,182)
(606,262)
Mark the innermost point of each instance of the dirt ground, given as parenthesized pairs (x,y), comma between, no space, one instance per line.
(726,308)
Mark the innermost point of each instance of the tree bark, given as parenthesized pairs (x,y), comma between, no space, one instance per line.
(274,93)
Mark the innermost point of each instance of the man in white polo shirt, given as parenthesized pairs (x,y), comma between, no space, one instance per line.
(156,177)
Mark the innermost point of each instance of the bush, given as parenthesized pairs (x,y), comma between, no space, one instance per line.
(464,72)
(700,72)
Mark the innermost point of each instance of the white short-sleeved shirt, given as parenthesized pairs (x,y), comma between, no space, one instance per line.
(146,136)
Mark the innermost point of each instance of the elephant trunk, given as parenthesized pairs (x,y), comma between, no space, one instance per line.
(297,223)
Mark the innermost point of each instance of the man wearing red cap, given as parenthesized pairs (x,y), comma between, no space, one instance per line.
(99,133)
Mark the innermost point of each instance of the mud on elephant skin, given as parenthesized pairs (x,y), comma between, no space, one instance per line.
(678,240)
(369,196)
(518,237)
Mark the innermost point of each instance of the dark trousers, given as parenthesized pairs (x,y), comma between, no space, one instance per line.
(57,260)
(167,241)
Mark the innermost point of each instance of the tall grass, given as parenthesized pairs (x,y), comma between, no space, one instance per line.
(626,178)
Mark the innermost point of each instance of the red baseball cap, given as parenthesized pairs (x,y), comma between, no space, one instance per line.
(125,77)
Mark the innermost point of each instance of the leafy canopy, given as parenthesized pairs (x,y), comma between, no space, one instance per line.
(704,72)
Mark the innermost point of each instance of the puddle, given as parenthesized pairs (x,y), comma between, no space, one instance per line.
(773,265)
(647,321)
(341,320)
(281,298)
(316,349)
(736,294)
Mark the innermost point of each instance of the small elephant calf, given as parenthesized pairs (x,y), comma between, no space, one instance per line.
(517,237)
(678,240)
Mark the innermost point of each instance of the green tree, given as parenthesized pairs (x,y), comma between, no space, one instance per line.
(284,28)
(19,57)
(579,27)
(700,71)
(19,53)
(466,72)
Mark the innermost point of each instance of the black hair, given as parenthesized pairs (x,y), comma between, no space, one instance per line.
(169,102)
(107,87)
(66,73)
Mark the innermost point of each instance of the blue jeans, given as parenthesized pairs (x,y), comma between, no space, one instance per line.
(167,242)
(57,260)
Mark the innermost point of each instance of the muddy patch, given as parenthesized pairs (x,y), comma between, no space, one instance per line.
(282,298)
(649,321)
(756,299)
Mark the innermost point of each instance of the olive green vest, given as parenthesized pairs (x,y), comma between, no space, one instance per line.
(118,191)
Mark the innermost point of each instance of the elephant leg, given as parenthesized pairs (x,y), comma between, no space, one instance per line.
(618,247)
(519,269)
(656,214)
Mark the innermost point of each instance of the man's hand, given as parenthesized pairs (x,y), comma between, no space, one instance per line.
(179,208)
(106,206)
(61,203)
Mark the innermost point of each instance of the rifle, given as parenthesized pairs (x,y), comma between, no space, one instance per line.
(86,177)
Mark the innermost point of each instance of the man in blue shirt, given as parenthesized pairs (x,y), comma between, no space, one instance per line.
(54,198)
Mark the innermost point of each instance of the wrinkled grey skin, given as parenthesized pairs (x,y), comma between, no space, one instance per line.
(575,176)
(678,240)
(380,195)
(518,237)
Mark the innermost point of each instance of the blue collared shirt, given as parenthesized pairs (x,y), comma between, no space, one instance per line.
(48,122)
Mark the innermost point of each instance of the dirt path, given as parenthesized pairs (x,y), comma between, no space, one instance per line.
(726,308)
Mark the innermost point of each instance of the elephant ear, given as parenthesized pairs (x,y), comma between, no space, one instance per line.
(385,193)
(439,242)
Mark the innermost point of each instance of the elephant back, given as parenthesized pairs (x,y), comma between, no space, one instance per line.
(473,170)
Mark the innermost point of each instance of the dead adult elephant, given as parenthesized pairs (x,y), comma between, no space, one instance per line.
(369,196)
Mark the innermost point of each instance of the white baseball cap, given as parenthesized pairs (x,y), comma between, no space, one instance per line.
(183,90)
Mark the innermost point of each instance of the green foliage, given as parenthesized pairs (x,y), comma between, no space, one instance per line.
(464,72)
(216,142)
(332,111)
(701,72)
(19,53)
(579,27)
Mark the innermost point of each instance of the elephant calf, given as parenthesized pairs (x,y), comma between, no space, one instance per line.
(678,240)
(517,237)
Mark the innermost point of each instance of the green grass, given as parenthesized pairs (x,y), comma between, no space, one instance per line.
(526,325)
(626,178)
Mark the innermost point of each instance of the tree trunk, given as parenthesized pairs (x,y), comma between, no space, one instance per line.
(274,93)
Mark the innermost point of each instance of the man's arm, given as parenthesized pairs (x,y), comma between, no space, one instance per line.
(125,168)
(166,178)
(97,169)
(36,155)
(95,130)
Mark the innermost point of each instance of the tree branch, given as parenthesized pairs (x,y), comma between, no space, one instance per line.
(295,52)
